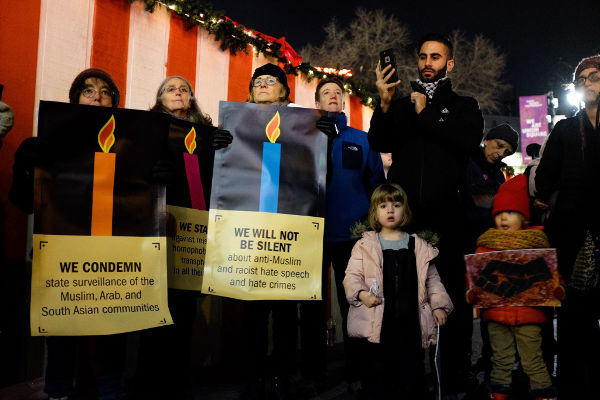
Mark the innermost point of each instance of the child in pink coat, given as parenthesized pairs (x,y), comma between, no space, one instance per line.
(397,326)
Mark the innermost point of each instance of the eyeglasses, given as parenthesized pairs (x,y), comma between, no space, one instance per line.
(269,81)
(182,89)
(90,93)
(592,77)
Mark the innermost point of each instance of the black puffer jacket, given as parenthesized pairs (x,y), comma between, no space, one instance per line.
(431,149)
(570,165)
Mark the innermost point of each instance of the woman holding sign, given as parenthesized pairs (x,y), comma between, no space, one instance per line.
(188,182)
(92,87)
(269,86)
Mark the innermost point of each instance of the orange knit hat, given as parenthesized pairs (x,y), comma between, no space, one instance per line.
(512,196)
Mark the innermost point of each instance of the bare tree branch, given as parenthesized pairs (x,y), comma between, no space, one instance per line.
(478,63)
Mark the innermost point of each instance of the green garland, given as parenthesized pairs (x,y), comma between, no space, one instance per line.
(234,38)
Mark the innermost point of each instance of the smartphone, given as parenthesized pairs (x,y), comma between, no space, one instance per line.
(387,57)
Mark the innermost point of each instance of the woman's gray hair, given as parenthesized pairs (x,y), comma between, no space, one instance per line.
(194,114)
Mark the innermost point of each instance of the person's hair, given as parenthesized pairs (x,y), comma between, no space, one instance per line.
(436,37)
(389,192)
(283,98)
(194,114)
(327,80)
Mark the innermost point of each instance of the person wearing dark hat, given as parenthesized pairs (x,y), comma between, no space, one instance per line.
(483,178)
(93,87)
(431,133)
(570,168)
(268,85)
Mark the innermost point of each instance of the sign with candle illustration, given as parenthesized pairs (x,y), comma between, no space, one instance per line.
(104,180)
(265,225)
(99,246)
(271,157)
(187,217)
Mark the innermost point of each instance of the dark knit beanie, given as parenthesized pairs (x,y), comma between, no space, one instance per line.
(504,132)
(77,85)
(273,70)
(585,63)
(512,196)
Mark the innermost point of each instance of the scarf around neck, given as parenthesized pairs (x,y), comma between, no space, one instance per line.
(498,239)
(430,87)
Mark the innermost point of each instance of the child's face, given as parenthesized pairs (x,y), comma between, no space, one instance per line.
(389,214)
(509,220)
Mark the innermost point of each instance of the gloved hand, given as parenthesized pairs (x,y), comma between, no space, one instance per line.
(327,126)
(220,138)
(31,153)
(163,172)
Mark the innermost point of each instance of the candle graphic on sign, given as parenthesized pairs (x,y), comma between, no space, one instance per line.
(269,178)
(192,171)
(104,181)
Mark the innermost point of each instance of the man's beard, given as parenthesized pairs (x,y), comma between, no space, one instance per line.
(439,75)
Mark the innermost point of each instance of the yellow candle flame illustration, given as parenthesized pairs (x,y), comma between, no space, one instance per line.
(190,141)
(272,128)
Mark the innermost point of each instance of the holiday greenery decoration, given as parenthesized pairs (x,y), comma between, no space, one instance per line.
(236,37)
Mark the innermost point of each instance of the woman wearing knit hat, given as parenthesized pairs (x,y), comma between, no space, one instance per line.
(93,87)
(569,171)
(268,85)
(509,325)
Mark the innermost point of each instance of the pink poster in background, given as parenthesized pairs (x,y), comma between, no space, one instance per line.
(534,125)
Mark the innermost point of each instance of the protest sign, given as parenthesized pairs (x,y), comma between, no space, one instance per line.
(265,232)
(99,262)
(186,247)
(188,195)
(525,277)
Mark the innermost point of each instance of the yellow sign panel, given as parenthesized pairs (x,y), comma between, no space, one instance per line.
(263,256)
(186,247)
(98,285)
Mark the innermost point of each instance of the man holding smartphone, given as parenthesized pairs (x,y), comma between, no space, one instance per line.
(431,133)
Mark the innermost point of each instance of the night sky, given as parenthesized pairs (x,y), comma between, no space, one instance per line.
(543,40)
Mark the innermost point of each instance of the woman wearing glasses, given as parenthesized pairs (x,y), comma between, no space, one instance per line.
(269,86)
(569,172)
(170,345)
(176,97)
(66,354)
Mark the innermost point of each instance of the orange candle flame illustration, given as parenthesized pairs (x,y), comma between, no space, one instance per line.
(272,128)
(104,181)
(106,137)
(190,141)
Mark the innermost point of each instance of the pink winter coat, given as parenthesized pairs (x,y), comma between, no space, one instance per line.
(366,264)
